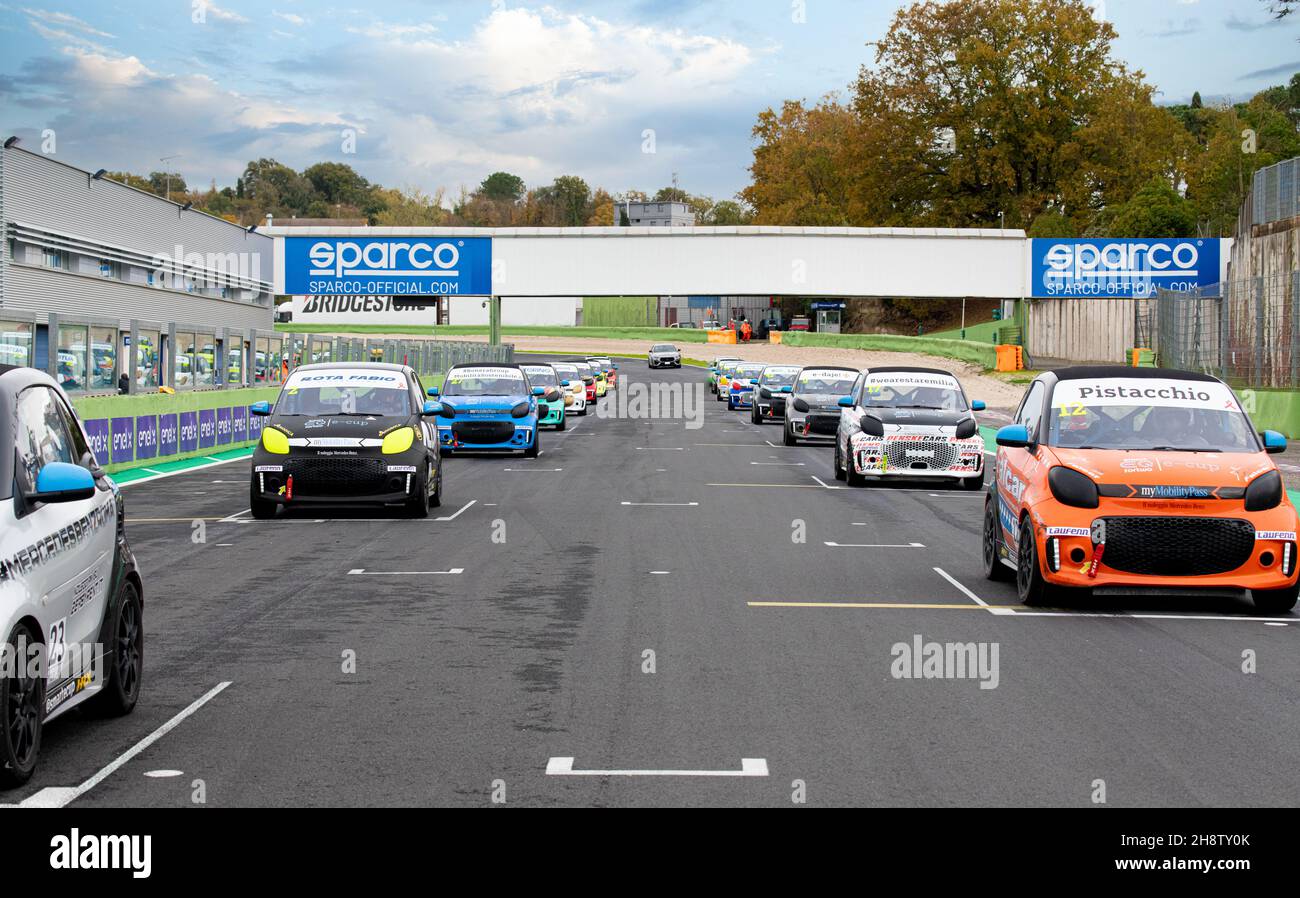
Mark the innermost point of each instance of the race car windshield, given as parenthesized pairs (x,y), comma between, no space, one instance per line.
(930,393)
(663,347)
(1148,415)
(542,377)
(485,382)
(566,372)
(749,370)
(825,382)
(776,377)
(310,397)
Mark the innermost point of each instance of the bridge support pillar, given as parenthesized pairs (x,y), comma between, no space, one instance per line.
(494,320)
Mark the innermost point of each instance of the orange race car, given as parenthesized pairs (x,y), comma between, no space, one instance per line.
(1139,480)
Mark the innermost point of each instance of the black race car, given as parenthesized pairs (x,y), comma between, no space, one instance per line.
(347,434)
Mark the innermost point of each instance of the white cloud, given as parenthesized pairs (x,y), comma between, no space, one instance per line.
(64,21)
(291,17)
(223,15)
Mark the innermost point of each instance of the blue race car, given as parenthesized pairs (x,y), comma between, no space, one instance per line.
(492,409)
(741,388)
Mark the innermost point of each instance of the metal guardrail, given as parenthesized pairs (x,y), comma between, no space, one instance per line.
(428,357)
(1275,192)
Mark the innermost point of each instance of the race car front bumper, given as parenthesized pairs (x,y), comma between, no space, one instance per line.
(1137,545)
(361,479)
(906,456)
(742,398)
(477,436)
(665,362)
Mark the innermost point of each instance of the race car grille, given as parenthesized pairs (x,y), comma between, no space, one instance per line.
(1174,546)
(921,454)
(778,406)
(823,424)
(336,476)
(483,431)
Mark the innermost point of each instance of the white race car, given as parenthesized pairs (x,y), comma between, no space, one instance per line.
(576,402)
(909,422)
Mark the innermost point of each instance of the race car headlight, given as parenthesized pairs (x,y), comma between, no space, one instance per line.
(800,405)
(1264,492)
(275,442)
(1070,487)
(398,441)
(520,410)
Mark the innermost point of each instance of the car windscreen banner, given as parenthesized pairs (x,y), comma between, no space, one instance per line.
(1124,391)
(908,380)
(358,378)
(825,380)
(484,372)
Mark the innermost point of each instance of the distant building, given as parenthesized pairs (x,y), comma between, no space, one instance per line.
(661,215)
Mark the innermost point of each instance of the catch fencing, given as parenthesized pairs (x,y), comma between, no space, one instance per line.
(1246,332)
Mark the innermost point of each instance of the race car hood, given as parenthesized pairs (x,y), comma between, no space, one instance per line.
(333,431)
(1165,474)
(819,402)
(932,421)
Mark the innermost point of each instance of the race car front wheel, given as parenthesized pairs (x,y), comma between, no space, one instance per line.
(994,569)
(788,438)
(435,498)
(21,698)
(564,423)
(1275,601)
(536,449)
(971,484)
(120,693)
(1031,588)
(840,469)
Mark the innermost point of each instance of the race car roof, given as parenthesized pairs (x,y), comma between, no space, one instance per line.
(831,368)
(491,365)
(1085,372)
(369,366)
(880,369)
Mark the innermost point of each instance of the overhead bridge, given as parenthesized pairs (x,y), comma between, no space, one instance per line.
(608,261)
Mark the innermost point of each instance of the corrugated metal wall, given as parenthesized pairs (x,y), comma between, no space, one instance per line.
(40,191)
(1080,330)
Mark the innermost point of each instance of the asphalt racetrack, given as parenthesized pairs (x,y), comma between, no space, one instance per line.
(629,620)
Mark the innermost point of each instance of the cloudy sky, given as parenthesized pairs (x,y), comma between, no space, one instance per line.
(443,93)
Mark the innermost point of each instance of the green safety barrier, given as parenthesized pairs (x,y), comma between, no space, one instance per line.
(981,354)
(1273,410)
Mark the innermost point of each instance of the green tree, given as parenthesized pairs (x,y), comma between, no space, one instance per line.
(1051,224)
(566,202)
(502,186)
(1156,210)
(671,195)
(730,212)
(337,184)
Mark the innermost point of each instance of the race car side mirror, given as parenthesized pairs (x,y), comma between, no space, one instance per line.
(846,402)
(431,409)
(433,391)
(872,426)
(615,367)
(1014,436)
(787,389)
(60,481)
(538,391)
(978,405)
(1274,442)
(564,383)
(260,408)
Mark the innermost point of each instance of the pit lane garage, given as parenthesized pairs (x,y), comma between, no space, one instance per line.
(1132,480)
(70,594)
(905,422)
(343,434)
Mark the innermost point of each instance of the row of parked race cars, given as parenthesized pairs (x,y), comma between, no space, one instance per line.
(1108,480)
(346,433)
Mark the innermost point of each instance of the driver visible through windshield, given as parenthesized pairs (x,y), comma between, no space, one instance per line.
(344,392)
(1148,414)
(485,381)
(918,390)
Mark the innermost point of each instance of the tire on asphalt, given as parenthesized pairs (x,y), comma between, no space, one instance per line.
(126,671)
(21,702)
(261,509)
(1031,588)
(994,569)
(1275,601)
(534,450)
